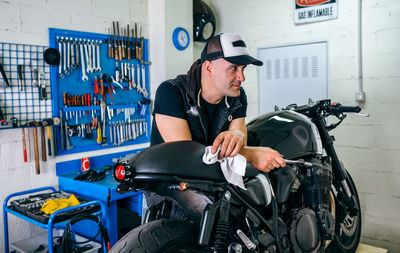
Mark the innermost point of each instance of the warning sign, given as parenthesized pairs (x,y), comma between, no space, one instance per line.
(308,11)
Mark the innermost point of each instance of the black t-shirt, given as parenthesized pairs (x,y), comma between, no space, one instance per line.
(169,101)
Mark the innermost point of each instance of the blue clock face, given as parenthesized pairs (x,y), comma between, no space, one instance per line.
(180,38)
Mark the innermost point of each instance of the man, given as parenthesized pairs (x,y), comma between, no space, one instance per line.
(208,105)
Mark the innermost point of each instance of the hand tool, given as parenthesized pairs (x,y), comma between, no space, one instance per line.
(64,55)
(96,85)
(141,51)
(73,59)
(77,56)
(136,43)
(128,50)
(3,74)
(28,143)
(51,121)
(110,49)
(62,130)
(84,76)
(68,55)
(115,46)
(60,66)
(102,92)
(44,156)
(88,56)
(109,91)
(20,69)
(24,145)
(55,147)
(98,67)
(35,139)
(98,133)
(48,140)
(123,43)
(144,90)
(119,43)
(133,53)
(42,86)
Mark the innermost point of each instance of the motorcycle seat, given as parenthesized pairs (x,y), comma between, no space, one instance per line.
(182,159)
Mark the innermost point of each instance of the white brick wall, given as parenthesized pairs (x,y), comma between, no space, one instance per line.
(369,147)
(27,22)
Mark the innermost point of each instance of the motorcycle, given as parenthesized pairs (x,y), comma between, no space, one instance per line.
(310,205)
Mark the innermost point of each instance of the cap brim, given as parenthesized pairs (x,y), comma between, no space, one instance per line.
(244,60)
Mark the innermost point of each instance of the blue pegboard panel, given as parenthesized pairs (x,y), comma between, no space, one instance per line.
(127,113)
(25,92)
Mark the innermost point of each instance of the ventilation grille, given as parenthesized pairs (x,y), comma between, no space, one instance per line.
(289,68)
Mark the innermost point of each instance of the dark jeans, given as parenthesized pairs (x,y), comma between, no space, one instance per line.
(186,204)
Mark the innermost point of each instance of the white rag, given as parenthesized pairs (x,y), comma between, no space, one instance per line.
(233,168)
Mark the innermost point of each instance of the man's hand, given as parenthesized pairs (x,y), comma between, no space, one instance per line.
(263,158)
(231,142)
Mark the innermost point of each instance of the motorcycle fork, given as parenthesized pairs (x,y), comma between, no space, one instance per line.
(338,170)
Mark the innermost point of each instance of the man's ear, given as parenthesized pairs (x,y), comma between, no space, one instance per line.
(208,67)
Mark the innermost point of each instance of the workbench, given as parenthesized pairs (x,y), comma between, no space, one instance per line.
(103,190)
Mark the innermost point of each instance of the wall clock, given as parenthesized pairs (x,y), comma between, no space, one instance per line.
(180,38)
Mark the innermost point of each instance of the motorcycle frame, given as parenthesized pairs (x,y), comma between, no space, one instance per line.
(217,193)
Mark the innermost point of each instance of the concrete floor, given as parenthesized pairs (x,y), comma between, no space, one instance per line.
(363,248)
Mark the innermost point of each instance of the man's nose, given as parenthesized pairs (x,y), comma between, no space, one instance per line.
(240,75)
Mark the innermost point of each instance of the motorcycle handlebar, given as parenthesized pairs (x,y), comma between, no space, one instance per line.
(355,109)
(333,109)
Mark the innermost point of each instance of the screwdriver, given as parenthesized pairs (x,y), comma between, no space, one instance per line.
(98,133)
(48,140)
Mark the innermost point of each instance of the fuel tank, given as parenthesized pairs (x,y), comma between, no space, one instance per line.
(290,133)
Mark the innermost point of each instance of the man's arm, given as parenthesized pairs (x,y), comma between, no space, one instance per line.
(172,128)
(234,141)
(231,141)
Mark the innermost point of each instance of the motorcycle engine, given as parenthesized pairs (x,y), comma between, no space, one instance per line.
(312,224)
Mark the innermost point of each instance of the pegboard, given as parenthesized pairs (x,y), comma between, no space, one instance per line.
(24,68)
(73,90)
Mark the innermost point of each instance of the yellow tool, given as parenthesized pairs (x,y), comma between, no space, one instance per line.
(48,140)
(98,133)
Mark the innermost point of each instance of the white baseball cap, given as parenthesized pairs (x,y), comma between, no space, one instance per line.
(230,47)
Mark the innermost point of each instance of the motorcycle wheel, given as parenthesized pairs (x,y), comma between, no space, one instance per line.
(347,227)
(160,236)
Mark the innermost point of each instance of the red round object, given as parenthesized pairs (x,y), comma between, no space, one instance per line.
(85,164)
(119,172)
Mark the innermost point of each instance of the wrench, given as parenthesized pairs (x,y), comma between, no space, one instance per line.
(93,54)
(68,55)
(138,86)
(84,76)
(133,74)
(77,53)
(60,66)
(98,55)
(87,56)
(73,62)
(114,134)
(144,90)
(65,56)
